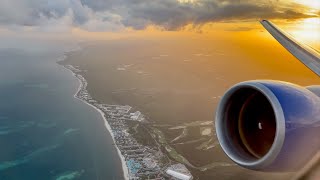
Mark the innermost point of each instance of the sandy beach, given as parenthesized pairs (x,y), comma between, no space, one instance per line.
(123,162)
(172,92)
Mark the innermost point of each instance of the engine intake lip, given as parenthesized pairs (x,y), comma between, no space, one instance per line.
(230,149)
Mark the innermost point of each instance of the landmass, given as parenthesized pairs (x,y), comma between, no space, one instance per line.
(140,161)
(159,98)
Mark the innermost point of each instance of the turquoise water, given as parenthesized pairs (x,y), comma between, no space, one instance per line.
(45,133)
(133,166)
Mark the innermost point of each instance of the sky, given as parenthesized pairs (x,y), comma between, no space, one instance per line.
(118,15)
(109,19)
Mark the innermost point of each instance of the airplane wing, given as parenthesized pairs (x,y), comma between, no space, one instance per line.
(306,54)
(311,58)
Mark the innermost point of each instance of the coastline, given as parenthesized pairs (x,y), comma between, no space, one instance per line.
(81,86)
(138,160)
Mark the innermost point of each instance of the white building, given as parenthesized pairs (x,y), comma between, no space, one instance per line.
(178,175)
(135,116)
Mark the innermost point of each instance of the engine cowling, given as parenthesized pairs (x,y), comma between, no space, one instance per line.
(269,125)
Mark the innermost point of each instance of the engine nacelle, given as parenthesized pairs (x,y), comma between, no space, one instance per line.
(269,125)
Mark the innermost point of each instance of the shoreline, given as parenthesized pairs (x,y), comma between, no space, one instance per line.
(108,127)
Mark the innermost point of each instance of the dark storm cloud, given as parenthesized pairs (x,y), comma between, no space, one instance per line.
(172,15)
(117,14)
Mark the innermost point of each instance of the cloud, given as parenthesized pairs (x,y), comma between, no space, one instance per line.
(56,15)
(114,15)
(172,15)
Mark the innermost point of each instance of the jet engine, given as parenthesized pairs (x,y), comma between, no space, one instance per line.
(269,125)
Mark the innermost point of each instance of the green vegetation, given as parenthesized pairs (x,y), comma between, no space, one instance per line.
(204,144)
(172,152)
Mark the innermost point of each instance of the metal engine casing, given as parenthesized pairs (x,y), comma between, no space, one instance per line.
(297,124)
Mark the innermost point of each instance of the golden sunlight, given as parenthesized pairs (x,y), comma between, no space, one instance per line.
(187,1)
(308,31)
(314,4)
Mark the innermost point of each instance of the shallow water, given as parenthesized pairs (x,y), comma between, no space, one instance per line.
(45,133)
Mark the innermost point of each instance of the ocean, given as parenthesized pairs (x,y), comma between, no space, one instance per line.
(46,133)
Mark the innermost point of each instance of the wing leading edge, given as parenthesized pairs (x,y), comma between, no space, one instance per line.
(307,55)
(310,58)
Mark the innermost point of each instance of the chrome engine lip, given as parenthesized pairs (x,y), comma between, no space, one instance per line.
(276,147)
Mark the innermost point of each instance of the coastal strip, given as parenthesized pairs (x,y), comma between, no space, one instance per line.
(81,87)
(139,161)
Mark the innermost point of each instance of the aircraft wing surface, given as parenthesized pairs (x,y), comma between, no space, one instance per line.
(306,54)
(310,58)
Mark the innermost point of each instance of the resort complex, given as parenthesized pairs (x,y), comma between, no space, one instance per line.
(139,161)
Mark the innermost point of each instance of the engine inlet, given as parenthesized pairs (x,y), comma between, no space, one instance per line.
(247,122)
